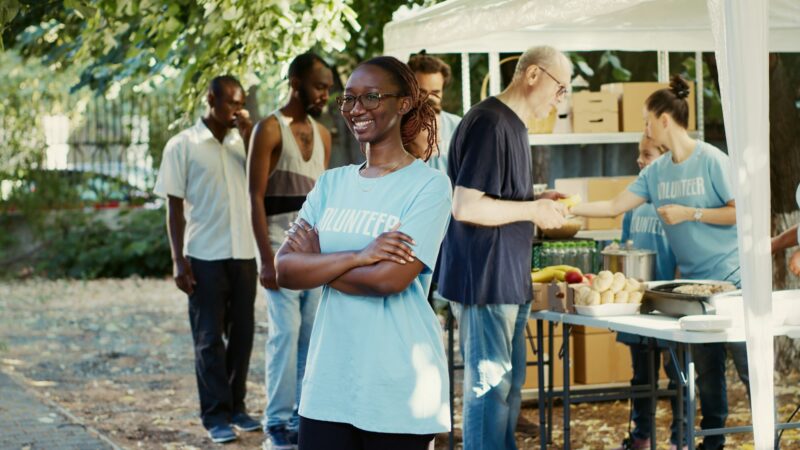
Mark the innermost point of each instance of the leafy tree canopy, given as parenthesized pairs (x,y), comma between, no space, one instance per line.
(144,43)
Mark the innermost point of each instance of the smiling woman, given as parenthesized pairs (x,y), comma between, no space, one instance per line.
(376,374)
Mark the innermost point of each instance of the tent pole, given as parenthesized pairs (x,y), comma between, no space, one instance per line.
(466,94)
(698,82)
(494,73)
(663,66)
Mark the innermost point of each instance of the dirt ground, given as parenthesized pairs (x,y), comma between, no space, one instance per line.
(118,355)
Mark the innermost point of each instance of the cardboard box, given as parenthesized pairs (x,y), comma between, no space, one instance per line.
(599,358)
(532,375)
(595,122)
(555,296)
(593,190)
(586,101)
(595,112)
(631,97)
(539,297)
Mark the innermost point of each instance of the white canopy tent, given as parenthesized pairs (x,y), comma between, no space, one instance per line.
(485,26)
(741,32)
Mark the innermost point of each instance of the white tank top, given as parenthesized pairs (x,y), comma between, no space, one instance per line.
(293,177)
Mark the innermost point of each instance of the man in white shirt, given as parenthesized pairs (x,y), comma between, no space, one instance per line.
(202,176)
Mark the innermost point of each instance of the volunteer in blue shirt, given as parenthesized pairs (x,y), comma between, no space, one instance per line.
(690,187)
(643,227)
(376,376)
(485,264)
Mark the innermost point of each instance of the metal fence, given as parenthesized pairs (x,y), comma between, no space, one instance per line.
(121,138)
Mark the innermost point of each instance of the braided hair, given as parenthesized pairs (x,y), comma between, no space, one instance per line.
(671,100)
(421,116)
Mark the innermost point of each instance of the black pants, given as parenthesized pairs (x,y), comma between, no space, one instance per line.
(222,319)
(320,435)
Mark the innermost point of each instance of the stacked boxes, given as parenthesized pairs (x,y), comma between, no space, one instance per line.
(595,112)
(631,98)
(599,358)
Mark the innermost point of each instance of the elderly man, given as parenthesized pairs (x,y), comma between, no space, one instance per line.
(485,260)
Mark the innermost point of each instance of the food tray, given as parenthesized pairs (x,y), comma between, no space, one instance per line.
(609,309)
(661,298)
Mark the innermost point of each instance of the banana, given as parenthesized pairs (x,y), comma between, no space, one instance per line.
(550,273)
(571,201)
(545,275)
(566,268)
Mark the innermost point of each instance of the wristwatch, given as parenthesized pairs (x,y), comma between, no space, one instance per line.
(698,214)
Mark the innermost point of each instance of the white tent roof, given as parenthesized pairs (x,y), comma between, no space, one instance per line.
(478,26)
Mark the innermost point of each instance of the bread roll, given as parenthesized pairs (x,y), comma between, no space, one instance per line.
(618,282)
(635,297)
(633,285)
(592,298)
(606,297)
(601,284)
(621,297)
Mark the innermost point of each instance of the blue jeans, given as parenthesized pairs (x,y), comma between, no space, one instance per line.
(291,318)
(493,345)
(641,406)
(709,361)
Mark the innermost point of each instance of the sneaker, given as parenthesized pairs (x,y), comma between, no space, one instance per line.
(221,433)
(280,438)
(243,422)
(675,447)
(632,443)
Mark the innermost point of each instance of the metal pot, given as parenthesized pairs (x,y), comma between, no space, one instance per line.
(634,263)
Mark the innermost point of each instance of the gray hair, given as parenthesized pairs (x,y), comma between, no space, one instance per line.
(543,56)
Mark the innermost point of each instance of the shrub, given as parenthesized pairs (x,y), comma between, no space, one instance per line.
(83,245)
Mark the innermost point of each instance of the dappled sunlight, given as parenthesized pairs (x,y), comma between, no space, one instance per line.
(491,374)
(427,398)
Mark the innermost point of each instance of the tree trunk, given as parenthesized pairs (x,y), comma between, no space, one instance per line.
(784,162)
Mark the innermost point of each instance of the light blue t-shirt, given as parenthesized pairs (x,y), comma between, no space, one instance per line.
(643,227)
(702,250)
(447,126)
(378,363)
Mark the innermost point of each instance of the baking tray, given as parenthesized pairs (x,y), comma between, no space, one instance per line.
(661,298)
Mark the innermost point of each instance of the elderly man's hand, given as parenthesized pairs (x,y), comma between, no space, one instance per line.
(552,195)
(548,214)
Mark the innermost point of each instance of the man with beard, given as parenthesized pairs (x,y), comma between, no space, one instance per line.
(433,75)
(289,151)
(202,176)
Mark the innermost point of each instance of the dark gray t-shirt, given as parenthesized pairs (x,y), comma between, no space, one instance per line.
(481,265)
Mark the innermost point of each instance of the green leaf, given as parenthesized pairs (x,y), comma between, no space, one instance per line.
(584,67)
(8,11)
(621,74)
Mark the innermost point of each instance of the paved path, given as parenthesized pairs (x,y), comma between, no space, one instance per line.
(28,423)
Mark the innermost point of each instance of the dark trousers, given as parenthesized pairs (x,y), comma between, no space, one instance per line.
(222,319)
(641,406)
(710,362)
(321,435)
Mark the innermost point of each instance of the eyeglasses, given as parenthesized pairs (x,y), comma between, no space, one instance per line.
(369,101)
(562,90)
